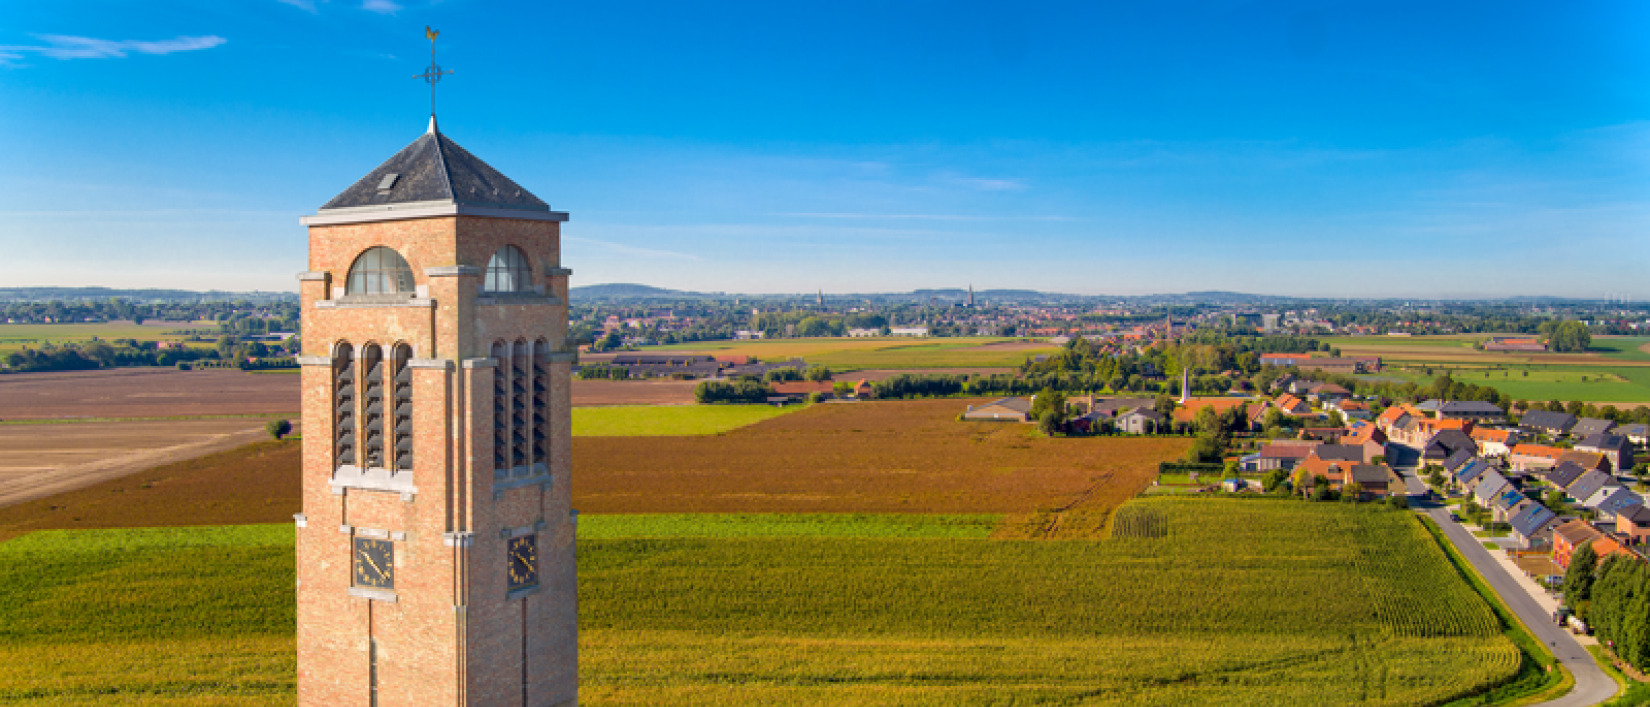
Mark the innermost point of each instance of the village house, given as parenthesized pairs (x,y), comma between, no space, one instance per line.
(1588,484)
(1446,443)
(1141,421)
(1564,474)
(1350,409)
(1004,409)
(1477,411)
(1369,438)
(1377,480)
(1489,485)
(1531,457)
(1633,524)
(1610,500)
(1324,392)
(1525,344)
(1291,405)
(1548,423)
(796,391)
(1494,442)
(1466,475)
(1397,417)
(1613,446)
(1589,426)
(1569,537)
(1638,434)
(1282,456)
(1533,525)
(1587,460)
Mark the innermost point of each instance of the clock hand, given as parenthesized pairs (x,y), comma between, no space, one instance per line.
(375,566)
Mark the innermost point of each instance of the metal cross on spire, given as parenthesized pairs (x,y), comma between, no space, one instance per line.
(432,75)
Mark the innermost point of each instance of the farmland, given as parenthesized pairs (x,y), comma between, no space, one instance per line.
(39,460)
(186,616)
(597,392)
(256,483)
(17,336)
(144,393)
(1603,384)
(860,353)
(1615,369)
(1324,604)
(653,420)
(884,457)
(866,537)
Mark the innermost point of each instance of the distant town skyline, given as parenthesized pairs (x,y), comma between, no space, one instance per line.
(1306,149)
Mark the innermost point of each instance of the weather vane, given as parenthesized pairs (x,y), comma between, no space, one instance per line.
(432,75)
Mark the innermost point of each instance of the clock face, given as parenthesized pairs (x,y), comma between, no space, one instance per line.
(374,563)
(523,561)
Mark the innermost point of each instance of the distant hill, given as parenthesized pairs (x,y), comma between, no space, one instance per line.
(77,294)
(628,291)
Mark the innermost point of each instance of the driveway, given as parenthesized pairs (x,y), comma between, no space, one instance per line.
(1592,685)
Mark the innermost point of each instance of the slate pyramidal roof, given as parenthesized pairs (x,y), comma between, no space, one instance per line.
(433,176)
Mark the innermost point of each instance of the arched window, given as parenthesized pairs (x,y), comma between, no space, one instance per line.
(508,271)
(379,270)
(343,402)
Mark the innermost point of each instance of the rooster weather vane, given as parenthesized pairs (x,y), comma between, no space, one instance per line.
(432,75)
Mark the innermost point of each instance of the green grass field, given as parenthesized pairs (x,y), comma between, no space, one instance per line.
(845,354)
(1622,348)
(1192,601)
(1539,382)
(17,336)
(664,420)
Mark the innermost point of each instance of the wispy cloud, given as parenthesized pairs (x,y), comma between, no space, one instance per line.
(382,7)
(67,47)
(305,5)
(633,250)
(985,184)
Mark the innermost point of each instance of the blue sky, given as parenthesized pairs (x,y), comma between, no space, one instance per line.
(1298,148)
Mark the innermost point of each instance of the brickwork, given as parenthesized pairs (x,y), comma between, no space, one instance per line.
(450,633)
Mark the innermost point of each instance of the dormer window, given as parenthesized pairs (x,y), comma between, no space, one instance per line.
(379,270)
(508,271)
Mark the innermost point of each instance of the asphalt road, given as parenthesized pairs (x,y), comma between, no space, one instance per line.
(1592,685)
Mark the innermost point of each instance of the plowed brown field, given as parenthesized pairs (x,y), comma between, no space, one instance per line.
(896,456)
(258,483)
(608,392)
(145,392)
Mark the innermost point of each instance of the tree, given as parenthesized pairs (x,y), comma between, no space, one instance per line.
(1272,480)
(817,373)
(1049,422)
(1578,579)
(1207,448)
(1567,336)
(1164,406)
(1049,400)
(1353,491)
(278,428)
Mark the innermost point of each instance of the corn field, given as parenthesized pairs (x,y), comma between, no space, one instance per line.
(1190,601)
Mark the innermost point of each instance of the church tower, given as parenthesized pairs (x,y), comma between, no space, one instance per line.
(436,545)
